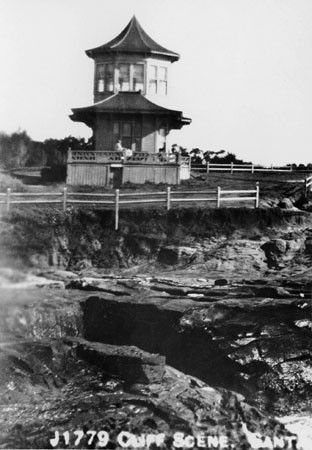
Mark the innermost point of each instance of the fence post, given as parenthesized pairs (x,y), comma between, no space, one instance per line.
(208,166)
(64,198)
(168,198)
(116,209)
(231,167)
(8,199)
(218,196)
(252,168)
(257,195)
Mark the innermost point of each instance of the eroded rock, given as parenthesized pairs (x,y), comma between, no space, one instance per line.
(129,363)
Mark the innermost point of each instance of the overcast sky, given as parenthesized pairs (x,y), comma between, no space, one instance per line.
(244,77)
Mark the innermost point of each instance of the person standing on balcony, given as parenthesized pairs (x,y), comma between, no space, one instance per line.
(118,146)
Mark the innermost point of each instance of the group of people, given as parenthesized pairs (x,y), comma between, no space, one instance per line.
(175,150)
(127,152)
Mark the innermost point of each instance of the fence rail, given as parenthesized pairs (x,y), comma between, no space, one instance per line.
(308,184)
(117,198)
(210,167)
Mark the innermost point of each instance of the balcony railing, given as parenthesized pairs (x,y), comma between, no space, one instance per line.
(90,156)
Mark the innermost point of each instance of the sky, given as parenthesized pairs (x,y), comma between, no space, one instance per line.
(244,77)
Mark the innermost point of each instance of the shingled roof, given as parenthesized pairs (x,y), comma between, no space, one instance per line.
(133,39)
(127,103)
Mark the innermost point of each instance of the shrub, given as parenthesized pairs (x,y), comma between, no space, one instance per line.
(54,174)
(6,181)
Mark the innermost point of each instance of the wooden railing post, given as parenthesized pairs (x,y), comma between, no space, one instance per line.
(252,168)
(168,198)
(8,198)
(218,196)
(232,167)
(116,209)
(257,195)
(64,198)
(208,166)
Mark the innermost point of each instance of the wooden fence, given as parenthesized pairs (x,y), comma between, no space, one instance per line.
(118,198)
(308,184)
(210,167)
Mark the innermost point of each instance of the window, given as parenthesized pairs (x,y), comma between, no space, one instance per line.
(100,70)
(104,77)
(116,129)
(130,134)
(163,80)
(153,80)
(124,77)
(138,77)
(109,77)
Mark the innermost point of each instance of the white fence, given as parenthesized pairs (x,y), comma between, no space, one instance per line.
(118,198)
(210,167)
(308,184)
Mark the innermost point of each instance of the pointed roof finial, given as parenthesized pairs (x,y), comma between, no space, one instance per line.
(133,39)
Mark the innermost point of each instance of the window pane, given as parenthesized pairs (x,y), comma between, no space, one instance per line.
(109,77)
(138,77)
(126,129)
(100,86)
(153,72)
(116,128)
(100,71)
(153,86)
(124,77)
(163,73)
(163,87)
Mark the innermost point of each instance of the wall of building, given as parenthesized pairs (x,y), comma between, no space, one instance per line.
(149,135)
(141,174)
(88,174)
(103,135)
(84,174)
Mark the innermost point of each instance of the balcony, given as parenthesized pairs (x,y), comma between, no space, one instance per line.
(114,157)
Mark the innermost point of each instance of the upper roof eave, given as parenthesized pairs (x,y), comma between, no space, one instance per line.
(126,102)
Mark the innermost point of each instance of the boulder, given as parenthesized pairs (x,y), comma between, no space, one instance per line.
(286,203)
(173,254)
(274,250)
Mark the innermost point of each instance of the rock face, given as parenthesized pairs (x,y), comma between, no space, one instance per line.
(58,382)
(128,363)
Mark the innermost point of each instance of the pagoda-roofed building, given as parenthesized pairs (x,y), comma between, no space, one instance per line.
(130,126)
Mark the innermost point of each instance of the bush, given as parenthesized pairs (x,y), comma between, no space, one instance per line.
(53,174)
(6,181)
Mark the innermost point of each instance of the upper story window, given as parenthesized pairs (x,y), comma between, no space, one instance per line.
(138,77)
(163,80)
(129,77)
(158,79)
(124,77)
(152,87)
(100,75)
(104,78)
